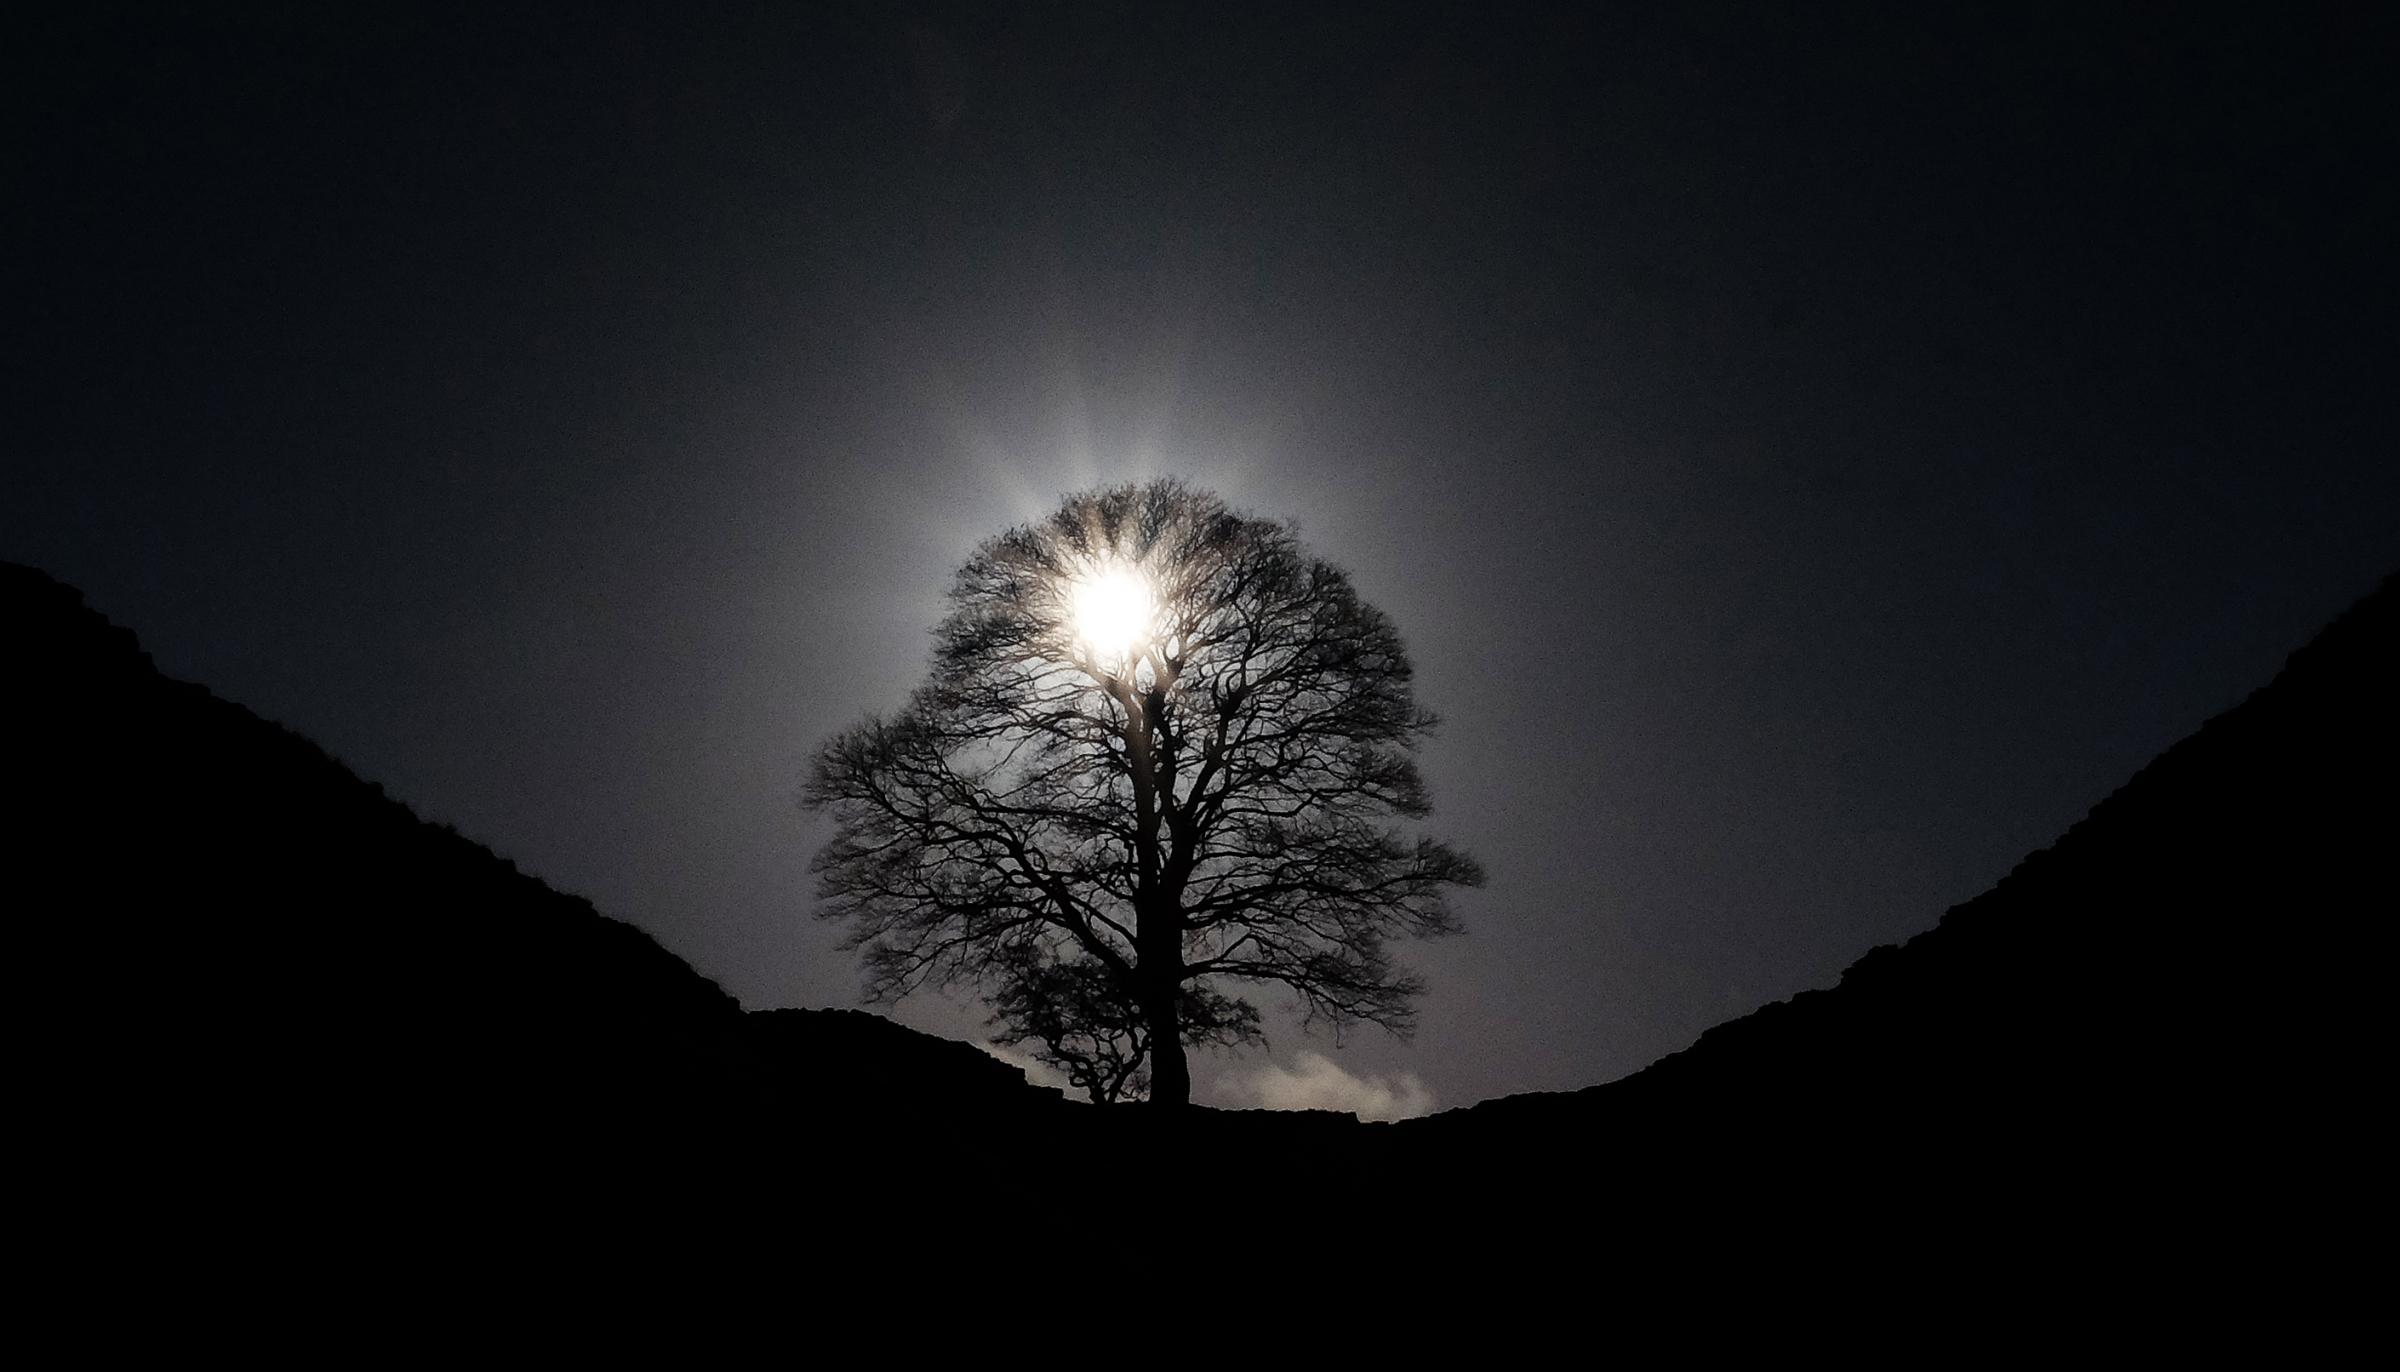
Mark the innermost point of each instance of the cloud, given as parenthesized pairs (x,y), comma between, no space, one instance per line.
(1317,1082)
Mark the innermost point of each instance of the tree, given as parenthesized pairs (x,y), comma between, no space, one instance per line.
(1158,756)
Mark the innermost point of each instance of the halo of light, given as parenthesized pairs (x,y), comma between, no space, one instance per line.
(1113,613)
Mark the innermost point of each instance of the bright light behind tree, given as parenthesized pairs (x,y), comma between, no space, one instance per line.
(1113,614)
(1164,751)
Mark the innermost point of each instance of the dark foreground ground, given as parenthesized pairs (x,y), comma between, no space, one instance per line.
(276,1030)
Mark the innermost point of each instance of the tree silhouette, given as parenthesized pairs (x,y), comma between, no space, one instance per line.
(1159,755)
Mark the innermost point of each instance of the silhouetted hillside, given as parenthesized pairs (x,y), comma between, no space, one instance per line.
(843,1061)
(2178,993)
(249,965)
(234,931)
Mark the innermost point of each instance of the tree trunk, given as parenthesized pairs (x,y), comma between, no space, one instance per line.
(1170,1074)
(1158,927)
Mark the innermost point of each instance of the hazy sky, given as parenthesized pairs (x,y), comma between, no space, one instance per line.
(1812,457)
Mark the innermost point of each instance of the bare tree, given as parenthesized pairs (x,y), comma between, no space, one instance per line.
(1159,754)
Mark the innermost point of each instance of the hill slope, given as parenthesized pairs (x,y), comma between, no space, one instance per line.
(2178,993)
(236,933)
(241,947)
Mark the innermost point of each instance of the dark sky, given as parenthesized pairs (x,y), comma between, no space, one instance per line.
(1813,455)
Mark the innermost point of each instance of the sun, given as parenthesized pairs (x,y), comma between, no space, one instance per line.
(1113,613)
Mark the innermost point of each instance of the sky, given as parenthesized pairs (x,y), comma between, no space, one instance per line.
(1812,456)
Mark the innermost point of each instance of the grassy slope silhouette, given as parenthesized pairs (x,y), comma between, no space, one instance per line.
(249,941)
(252,938)
(2186,941)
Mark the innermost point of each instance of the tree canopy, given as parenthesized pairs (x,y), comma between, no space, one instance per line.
(1159,759)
